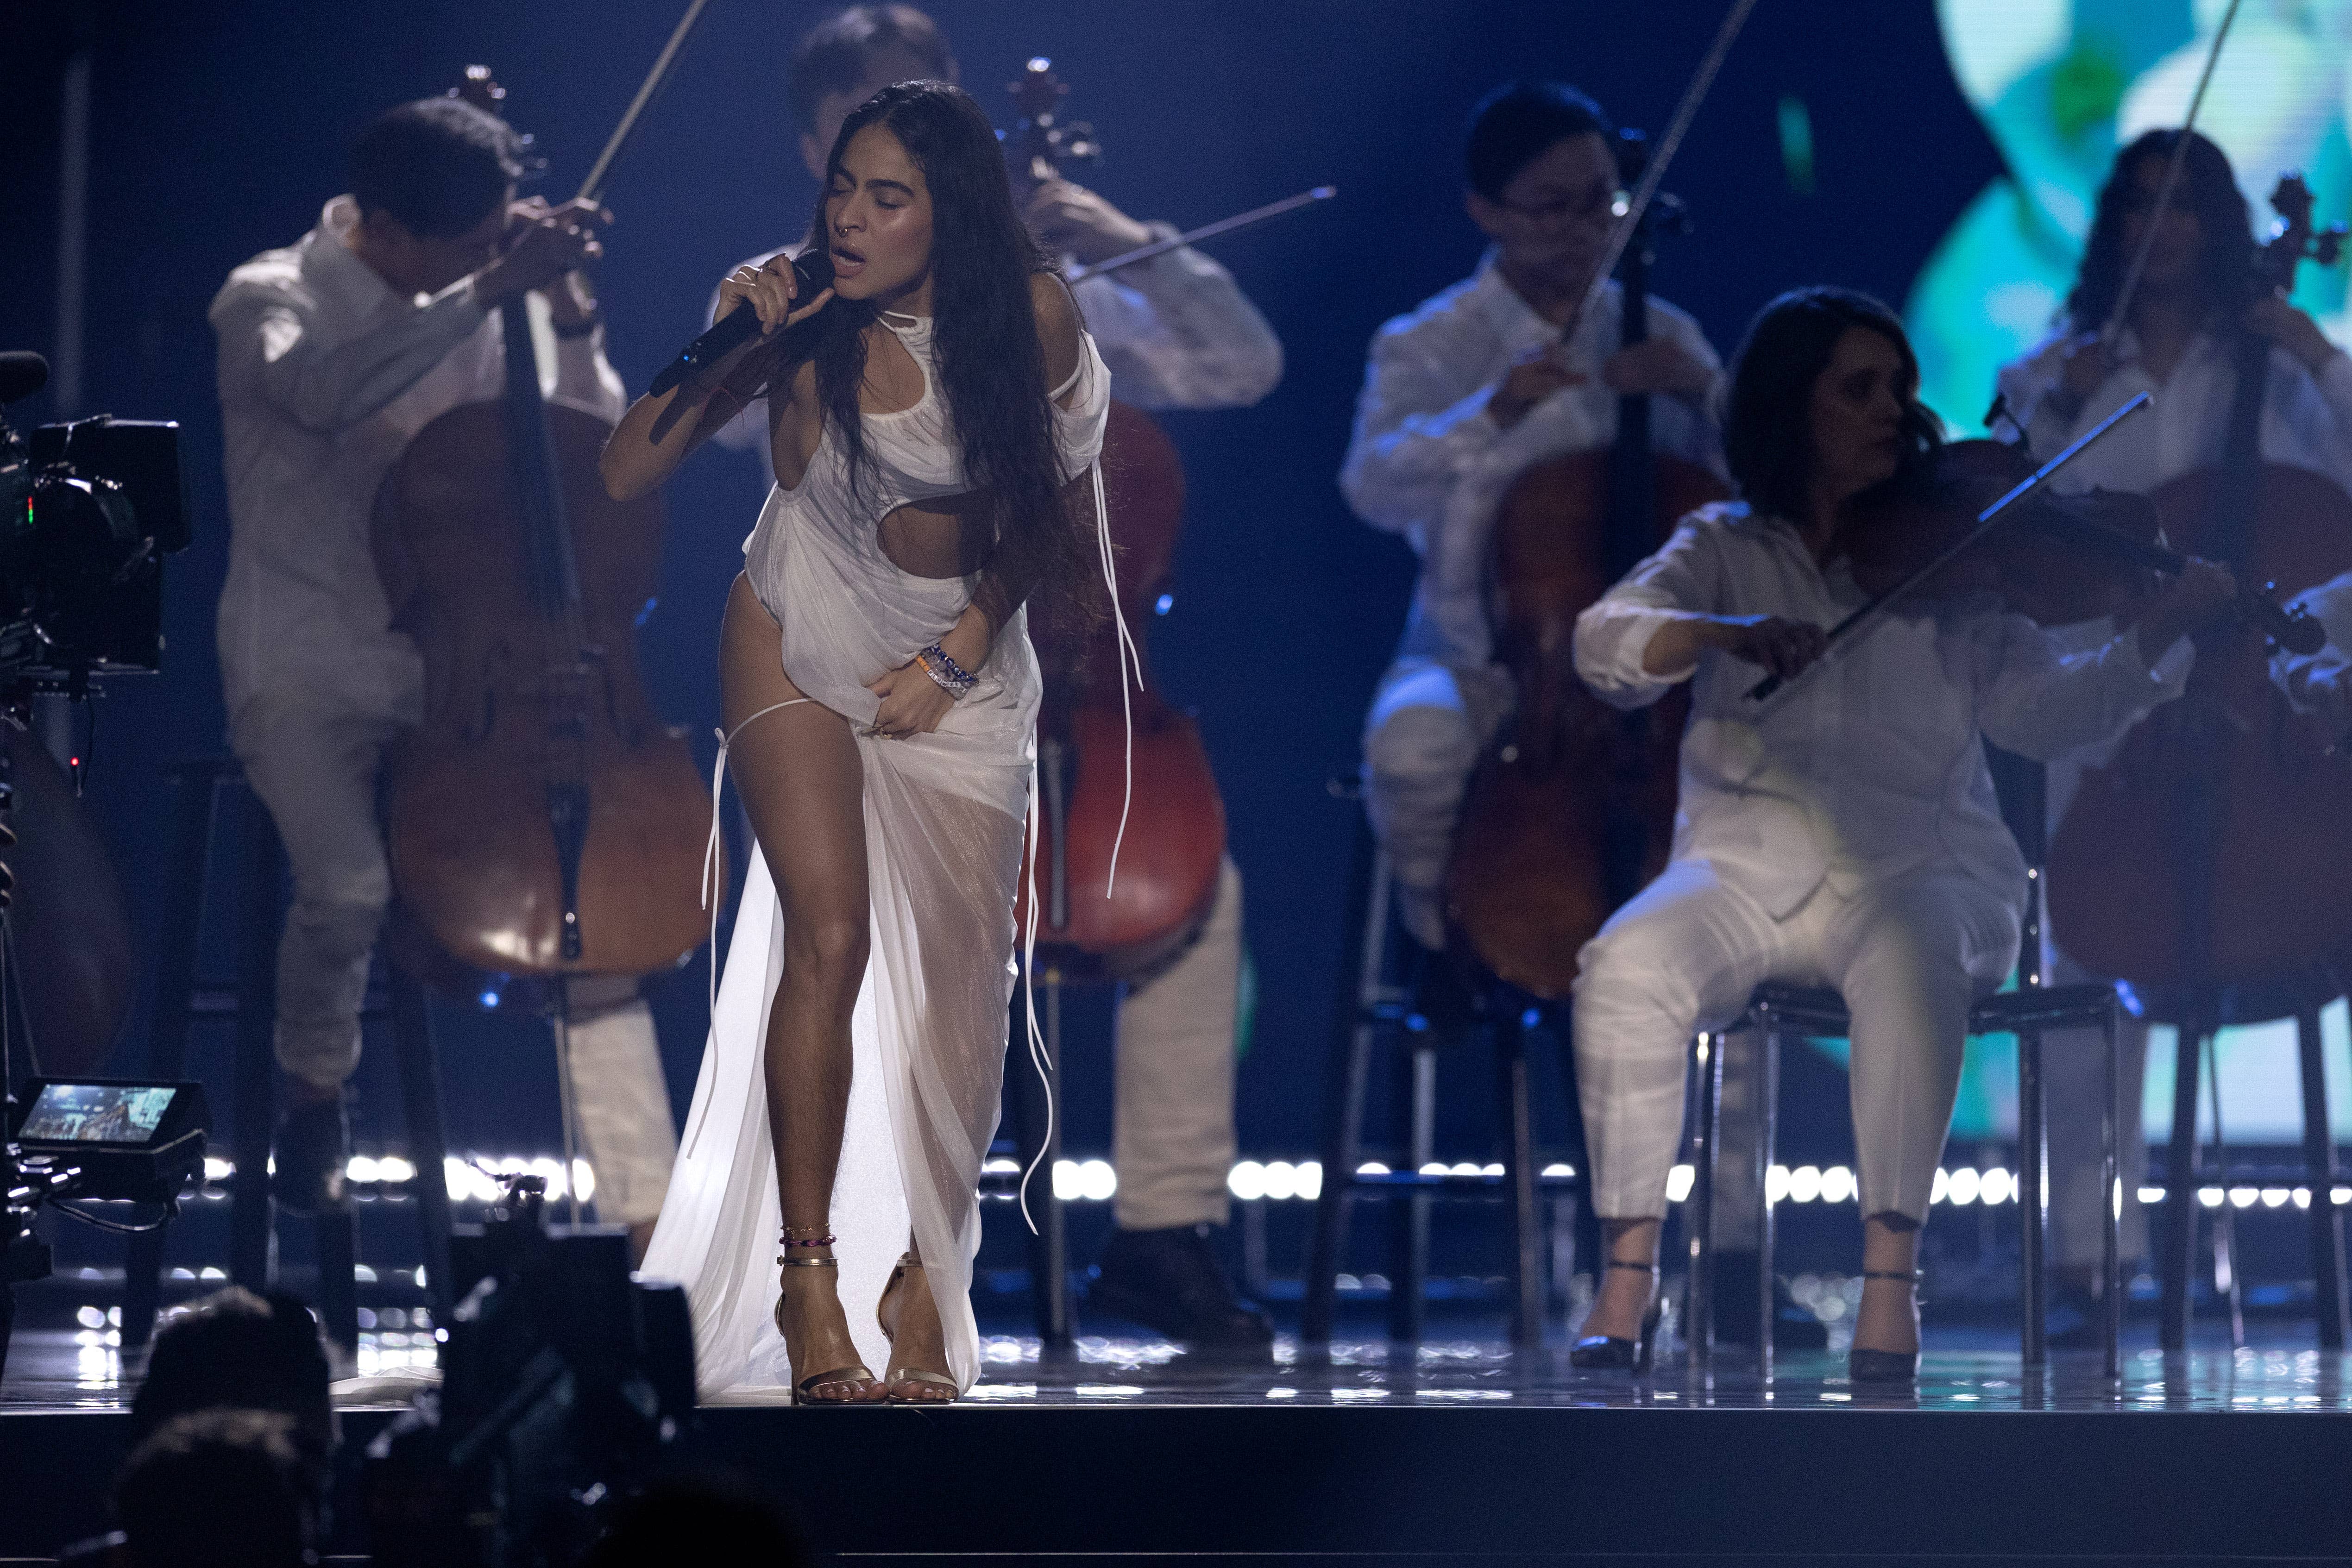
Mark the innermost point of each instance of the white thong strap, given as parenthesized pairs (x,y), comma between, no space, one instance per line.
(713,850)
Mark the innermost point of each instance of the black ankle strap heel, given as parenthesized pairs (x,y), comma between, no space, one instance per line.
(1606,1353)
(1885,1368)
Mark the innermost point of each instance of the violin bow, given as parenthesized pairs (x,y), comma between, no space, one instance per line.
(1647,190)
(2114,323)
(1206,231)
(1868,615)
(592,187)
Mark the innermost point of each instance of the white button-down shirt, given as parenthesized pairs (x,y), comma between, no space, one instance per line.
(1428,461)
(325,375)
(1870,764)
(1176,331)
(2306,419)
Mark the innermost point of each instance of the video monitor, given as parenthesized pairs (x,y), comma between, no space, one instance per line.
(107,1115)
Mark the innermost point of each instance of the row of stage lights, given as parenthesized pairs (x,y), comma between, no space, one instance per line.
(478,1179)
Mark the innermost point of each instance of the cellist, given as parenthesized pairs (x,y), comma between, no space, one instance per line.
(1463,394)
(1176,332)
(2181,324)
(334,351)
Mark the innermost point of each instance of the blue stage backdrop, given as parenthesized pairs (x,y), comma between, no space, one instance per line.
(1837,148)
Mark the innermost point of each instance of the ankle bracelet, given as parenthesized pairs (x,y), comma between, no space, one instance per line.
(792,1241)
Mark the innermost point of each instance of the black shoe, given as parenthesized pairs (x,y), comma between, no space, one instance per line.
(1606,1353)
(1170,1282)
(1883,1368)
(313,1144)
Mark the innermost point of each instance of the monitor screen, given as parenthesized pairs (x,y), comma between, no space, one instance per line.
(96,1113)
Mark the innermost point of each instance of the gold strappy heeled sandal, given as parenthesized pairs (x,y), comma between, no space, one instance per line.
(897,1375)
(804,1390)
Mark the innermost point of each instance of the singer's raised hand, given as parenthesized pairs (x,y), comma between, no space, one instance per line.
(774,294)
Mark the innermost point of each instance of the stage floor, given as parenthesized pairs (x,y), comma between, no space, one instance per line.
(54,1373)
(1459,1450)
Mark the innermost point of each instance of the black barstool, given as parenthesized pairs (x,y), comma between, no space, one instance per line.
(2198,1016)
(1376,1010)
(257,886)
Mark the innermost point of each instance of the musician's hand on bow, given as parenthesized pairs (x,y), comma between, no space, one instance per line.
(2291,330)
(1535,378)
(1784,647)
(1658,365)
(912,703)
(2192,602)
(774,290)
(1068,216)
(542,244)
(2084,362)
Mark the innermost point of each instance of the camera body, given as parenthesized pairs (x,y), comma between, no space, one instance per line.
(565,1380)
(88,511)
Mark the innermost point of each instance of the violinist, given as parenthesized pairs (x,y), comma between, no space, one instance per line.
(2192,304)
(334,351)
(1844,833)
(1176,332)
(1461,396)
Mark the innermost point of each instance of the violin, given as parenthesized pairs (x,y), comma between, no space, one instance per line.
(2058,559)
(1572,808)
(542,821)
(1175,829)
(2207,852)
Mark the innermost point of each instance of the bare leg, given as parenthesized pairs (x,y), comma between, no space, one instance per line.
(804,786)
(1889,1316)
(911,1318)
(1622,1298)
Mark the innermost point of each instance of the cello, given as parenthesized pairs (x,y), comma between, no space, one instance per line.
(542,821)
(1572,808)
(1175,830)
(2207,853)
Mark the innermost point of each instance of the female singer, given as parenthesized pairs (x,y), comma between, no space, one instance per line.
(880,698)
(1844,833)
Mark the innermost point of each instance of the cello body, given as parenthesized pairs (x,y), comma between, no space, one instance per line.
(1175,831)
(1574,796)
(2230,759)
(524,705)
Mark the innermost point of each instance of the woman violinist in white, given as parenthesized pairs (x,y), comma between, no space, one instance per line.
(1842,834)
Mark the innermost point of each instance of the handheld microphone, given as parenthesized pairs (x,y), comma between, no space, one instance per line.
(812,274)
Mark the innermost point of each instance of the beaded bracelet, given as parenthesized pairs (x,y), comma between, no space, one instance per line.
(950,677)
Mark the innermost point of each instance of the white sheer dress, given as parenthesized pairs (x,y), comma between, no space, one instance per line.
(944,817)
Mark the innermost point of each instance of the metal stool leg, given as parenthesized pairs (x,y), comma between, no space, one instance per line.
(2180,1187)
(1768,1135)
(1343,1106)
(1526,1231)
(1038,1129)
(253,1241)
(2032,1197)
(194,808)
(2319,1166)
(2111,1174)
(428,1146)
(337,1234)
(1409,1232)
(1698,1329)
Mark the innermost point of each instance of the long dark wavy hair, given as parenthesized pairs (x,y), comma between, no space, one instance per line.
(1768,424)
(992,371)
(2208,187)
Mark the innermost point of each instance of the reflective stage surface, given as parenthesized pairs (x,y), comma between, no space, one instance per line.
(78,1370)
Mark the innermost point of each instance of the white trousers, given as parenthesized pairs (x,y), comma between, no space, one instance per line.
(1172,1140)
(316,769)
(1422,740)
(1910,953)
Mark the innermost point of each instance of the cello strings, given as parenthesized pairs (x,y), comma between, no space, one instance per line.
(2171,177)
